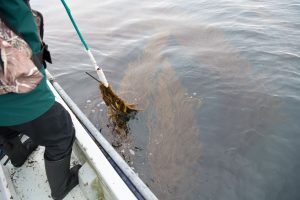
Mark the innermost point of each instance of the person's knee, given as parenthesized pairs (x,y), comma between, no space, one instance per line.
(62,147)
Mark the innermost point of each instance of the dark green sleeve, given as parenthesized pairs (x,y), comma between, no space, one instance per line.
(18,16)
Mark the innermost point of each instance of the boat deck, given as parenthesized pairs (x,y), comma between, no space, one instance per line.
(30,181)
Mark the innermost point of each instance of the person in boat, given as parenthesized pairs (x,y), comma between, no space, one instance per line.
(36,113)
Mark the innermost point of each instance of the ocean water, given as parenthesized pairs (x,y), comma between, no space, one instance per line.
(217,83)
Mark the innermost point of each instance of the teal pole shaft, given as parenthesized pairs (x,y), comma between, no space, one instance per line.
(99,71)
(74,24)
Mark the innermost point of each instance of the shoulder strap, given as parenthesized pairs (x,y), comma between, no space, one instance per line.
(44,55)
(40,22)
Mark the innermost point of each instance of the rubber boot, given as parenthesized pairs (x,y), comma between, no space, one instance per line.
(61,178)
(17,151)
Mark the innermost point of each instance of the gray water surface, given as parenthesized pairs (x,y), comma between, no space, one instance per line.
(217,81)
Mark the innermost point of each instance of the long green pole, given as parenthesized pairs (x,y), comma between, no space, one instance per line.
(99,71)
(74,24)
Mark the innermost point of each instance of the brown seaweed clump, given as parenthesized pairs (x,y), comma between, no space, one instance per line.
(115,102)
(119,111)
